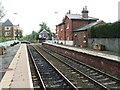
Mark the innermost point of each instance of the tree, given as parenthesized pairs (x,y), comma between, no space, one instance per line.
(42,27)
(2,13)
(34,36)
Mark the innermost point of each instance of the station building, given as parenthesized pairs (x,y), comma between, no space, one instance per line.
(75,28)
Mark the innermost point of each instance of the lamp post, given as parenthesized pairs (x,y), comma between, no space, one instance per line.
(17,28)
(56,28)
(65,33)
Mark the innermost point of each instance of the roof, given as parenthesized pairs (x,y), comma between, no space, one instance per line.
(78,16)
(7,23)
(88,26)
(60,24)
(44,31)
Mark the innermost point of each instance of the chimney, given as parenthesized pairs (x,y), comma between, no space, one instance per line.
(85,12)
(69,12)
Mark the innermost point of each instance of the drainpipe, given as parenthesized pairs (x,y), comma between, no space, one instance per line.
(72,31)
(65,33)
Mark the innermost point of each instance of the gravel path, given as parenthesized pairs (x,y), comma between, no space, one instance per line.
(6,59)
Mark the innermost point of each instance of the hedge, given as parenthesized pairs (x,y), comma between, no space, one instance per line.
(108,30)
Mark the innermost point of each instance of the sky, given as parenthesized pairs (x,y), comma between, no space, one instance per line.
(30,13)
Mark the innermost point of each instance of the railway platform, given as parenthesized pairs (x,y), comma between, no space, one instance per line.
(104,54)
(18,73)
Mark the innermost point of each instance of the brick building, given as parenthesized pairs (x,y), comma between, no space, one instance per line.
(10,31)
(69,31)
(81,35)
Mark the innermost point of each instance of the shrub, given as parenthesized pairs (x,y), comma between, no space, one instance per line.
(108,30)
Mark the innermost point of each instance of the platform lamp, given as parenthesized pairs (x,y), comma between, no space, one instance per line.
(56,13)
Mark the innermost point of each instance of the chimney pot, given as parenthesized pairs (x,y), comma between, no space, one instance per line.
(85,12)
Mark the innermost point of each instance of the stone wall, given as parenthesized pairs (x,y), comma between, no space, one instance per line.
(111,44)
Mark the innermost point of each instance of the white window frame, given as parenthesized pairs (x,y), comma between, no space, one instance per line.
(7,33)
(15,33)
(7,28)
(68,26)
(61,29)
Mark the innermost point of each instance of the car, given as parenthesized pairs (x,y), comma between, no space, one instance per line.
(26,42)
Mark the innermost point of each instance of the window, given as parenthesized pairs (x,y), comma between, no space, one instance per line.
(0,33)
(61,28)
(0,27)
(75,35)
(7,28)
(15,28)
(68,38)
(15,33)
(68,26)
(7,33)
(57,29)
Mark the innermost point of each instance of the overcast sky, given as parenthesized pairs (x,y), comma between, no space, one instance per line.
(31,13)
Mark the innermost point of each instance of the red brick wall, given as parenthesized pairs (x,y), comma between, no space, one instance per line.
(80,38)
(62,35)
(78,24)
(97,62)
(69,33)
(73,24)
(11,33)
(60,31)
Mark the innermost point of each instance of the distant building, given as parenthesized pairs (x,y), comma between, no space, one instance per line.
(69,30)
(43,35)
(10,31)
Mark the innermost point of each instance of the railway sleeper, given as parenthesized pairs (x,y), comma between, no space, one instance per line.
(109,83)
(93,74)
(98,76)
(104,79)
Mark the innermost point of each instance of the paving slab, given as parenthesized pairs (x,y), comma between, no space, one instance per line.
(18,74)
(104,54)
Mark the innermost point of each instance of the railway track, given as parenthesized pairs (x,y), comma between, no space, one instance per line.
(49,77)
(35,75)
(104,80)
(75,77)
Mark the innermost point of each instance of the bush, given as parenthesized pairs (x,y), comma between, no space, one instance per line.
(108,30)
(3,40)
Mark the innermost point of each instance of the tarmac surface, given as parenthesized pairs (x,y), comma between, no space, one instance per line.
(6,59)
